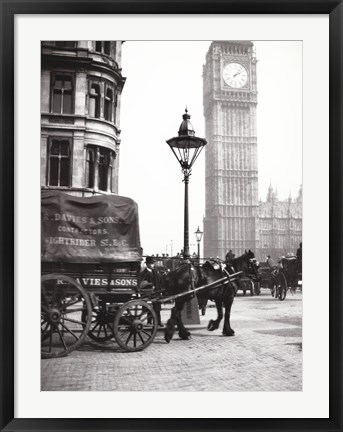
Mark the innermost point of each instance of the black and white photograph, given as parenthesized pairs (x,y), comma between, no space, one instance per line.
(171,177)
(163,165)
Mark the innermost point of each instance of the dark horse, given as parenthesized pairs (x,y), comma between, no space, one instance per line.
(187,277)
(247,264)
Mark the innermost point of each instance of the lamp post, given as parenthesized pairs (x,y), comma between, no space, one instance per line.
(186,148)
(198,236)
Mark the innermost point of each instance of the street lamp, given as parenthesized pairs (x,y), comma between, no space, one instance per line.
(198,236)
(186,148)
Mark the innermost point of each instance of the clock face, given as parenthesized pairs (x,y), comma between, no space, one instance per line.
(235,75)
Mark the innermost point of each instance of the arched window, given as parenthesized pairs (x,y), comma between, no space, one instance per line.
(94,101)
(62,94)
(108,104)
(99,168)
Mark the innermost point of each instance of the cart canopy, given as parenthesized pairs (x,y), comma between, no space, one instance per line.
(95,229)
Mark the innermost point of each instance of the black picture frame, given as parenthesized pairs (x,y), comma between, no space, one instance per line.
(8,11)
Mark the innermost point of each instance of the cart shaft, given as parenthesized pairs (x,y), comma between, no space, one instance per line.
(223,281)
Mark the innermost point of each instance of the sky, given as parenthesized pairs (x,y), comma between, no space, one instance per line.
(162,78)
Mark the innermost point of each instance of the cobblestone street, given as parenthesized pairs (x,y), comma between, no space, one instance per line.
(264,355)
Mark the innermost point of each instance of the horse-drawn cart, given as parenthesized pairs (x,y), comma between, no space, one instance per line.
(274,279)
(90,284)
(292,269)
(91,258)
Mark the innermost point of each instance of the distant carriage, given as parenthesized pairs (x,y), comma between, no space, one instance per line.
(291,267)
(274,279)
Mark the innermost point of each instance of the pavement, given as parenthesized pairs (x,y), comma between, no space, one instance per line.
(264,355)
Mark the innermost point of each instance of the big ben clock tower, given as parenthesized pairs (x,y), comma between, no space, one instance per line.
(231,176)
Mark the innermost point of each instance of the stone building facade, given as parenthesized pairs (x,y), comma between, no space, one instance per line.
(81,86)
(279,225)
(234,217)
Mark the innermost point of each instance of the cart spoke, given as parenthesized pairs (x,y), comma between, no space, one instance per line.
(45,332)
(73,310)
(47,325)
(129,313)
(141,338)
(148,334)
(122,333)
(50,340)
(105,331)
(145,318)
(144,312)
(62,340)
(99,330)
(92,329)
(127,319)
(69,331)
(127,340)
(135,339)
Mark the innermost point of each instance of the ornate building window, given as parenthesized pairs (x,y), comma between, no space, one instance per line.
(100,168)
(62,94)
(108,109)
(102,100)
(103,47)
(107,47)
(59,162)
(94,101)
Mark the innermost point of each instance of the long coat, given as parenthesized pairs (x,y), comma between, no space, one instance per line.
(155,279)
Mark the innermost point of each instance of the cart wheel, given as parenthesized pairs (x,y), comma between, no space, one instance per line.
(101,328)
(135,325)
(62,302)
(282,286)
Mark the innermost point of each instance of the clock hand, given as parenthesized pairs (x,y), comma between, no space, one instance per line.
(237,73)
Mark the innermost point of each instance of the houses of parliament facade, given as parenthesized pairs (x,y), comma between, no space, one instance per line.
(234,216)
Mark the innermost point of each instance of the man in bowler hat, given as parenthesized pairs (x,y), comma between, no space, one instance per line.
(152,279)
